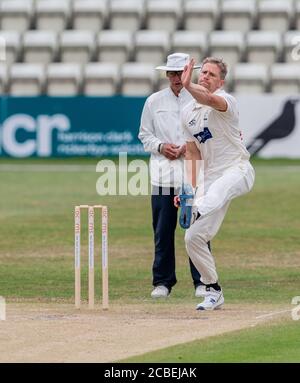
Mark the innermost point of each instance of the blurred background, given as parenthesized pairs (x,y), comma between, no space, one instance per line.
(74,74)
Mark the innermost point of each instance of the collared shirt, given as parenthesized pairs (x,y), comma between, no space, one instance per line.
(161,123)
(216,134)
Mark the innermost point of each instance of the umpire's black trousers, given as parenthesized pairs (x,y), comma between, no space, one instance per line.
(164,221)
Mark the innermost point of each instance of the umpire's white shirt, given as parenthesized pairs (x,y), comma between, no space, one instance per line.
(216,134)
(161,123)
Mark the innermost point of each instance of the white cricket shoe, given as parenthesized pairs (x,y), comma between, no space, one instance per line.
(213,300)
(200,291)
(160,292)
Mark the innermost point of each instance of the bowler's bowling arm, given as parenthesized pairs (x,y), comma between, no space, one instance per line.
(192,164)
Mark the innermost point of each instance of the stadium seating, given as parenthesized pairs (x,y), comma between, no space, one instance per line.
(227,44)
(101,79)
(285,78)
(264,46)
(77,46)
(250,78)
(138,79)
(89,14)
(12,45)
(114,46)
(40,46)
(53,15)
(200,15)
(163,15)
(16,15)
(238,15)
(64,79)
(151,46)
(193,43)
(26,79)
(275,15)
(126,15)
(103,42)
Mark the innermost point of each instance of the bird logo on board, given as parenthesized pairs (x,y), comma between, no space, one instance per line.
(203,136)
(281,127)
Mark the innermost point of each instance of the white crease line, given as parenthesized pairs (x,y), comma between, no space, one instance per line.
(274,313)
(46,168)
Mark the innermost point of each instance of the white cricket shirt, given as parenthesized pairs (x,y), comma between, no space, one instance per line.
(161,123)
(216,134)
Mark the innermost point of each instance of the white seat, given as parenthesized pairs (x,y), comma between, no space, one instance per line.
(193,43)
(250,78)
(291,47)
(52,15)
(238,15)
(275,15)
(63,79)
(228,45)
(126,15)
(163,14)
(151,46)
(77,46)
(3,77)
(16,15)
(26,79)
(285,78)
(12,42)
(264,46)
(89,14)
(137,79)
(297,15)
(200,15)
(39,46)
(114,46)
(101,79)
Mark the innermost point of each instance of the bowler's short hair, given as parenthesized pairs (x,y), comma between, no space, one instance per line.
(219,62)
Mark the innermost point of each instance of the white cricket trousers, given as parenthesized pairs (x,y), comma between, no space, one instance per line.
(218,193)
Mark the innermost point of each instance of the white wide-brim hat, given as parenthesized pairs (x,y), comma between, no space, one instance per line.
(177,62)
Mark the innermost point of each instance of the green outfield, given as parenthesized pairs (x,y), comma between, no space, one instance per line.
(257,250)
(278,343)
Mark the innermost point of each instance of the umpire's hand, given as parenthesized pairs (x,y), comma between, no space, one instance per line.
(170,151)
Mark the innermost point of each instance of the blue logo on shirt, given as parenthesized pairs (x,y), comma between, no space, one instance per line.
(203,136)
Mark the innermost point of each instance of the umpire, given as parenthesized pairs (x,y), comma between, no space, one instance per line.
(162,136)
